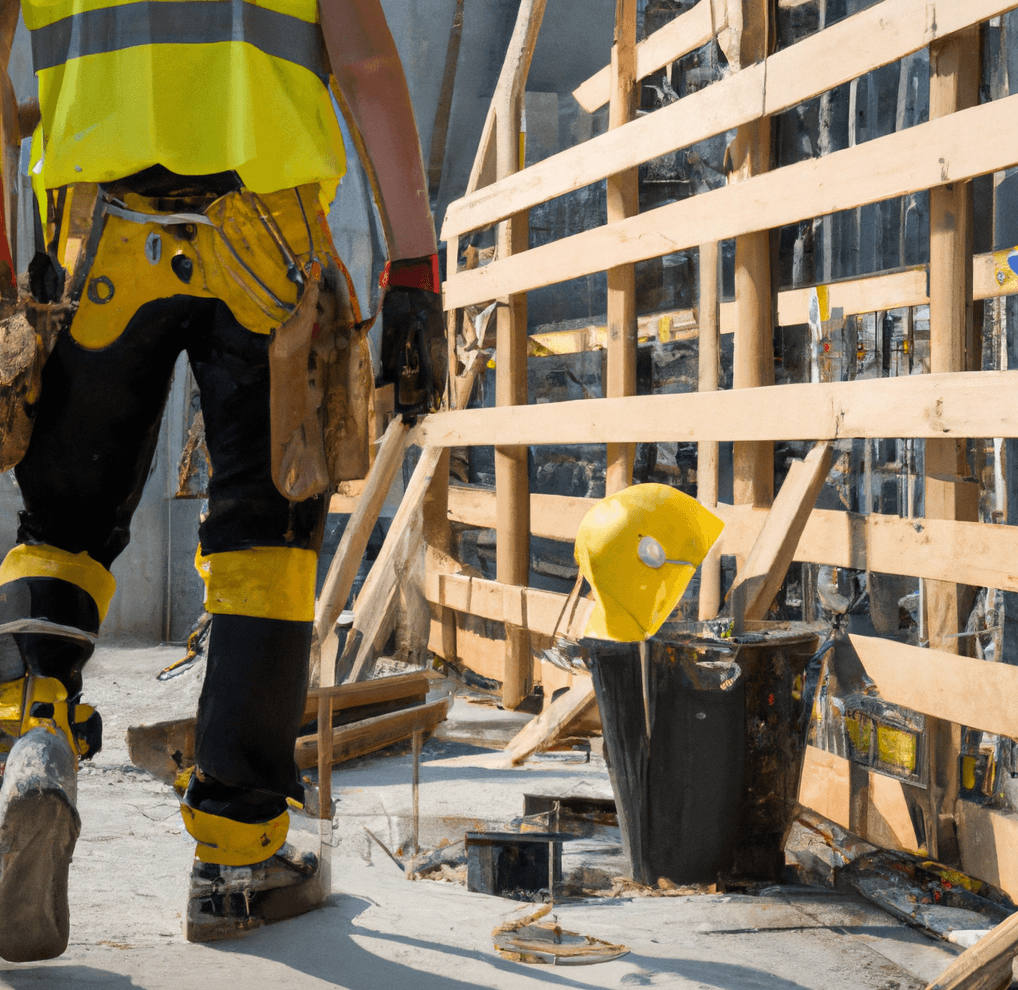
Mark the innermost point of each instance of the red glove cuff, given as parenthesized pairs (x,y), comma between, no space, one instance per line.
(413,273)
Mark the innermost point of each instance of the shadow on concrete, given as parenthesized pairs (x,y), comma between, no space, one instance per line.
(70,977)
(708,973)
(327,951)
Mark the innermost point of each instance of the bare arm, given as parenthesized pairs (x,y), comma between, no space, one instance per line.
(372,91)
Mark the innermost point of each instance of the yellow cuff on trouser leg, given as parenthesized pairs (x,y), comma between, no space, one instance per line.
(79,569)
(262,582)
(226,842)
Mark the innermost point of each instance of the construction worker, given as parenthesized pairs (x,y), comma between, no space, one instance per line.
(184,163)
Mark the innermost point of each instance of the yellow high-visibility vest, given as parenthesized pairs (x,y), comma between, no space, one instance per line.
(198,86)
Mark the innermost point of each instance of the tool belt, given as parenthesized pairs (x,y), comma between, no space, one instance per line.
(270,258)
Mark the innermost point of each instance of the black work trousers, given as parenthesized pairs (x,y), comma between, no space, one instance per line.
(91,450)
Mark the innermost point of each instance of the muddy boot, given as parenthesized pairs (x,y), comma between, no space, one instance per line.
(39,826)
(245,873)
(227,901)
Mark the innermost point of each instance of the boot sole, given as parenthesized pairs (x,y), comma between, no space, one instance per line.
(38,836)
(230,910)
(39,827)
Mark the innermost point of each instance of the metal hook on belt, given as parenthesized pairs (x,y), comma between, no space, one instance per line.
(117,208)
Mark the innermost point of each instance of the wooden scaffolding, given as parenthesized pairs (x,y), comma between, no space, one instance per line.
(948,549)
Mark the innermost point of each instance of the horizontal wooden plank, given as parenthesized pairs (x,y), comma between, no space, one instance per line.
(892,290)
(825,787)
(553,517)
(863,295)
(689,31)
(963,404)
(372,734)
(371,692)
(877,36)
(481,654)
(969,692)
(536,610)
(977,554)
(950,149)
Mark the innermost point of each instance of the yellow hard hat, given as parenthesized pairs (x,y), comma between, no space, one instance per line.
(639,549)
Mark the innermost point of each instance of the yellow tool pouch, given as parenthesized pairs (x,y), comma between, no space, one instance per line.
(238,249)
(270,258)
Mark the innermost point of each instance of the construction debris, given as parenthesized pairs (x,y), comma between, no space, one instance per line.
(539,939)
(366,717)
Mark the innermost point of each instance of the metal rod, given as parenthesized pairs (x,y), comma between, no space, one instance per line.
(551,872)
(418,739)
(385,848)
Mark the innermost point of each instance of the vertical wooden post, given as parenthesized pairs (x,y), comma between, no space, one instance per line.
(954,85)
(707,451)
(623,193)
(438,534)
(754,352)
(512,480)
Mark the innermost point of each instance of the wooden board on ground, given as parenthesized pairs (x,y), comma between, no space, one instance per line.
(372,734)
(379,690)
(164,749)
(552,723)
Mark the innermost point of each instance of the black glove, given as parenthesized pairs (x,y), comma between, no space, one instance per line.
(413,337)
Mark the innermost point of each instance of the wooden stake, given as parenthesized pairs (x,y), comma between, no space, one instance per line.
(754,351)
(708,452)
(418,739)
(760,577)
(623,194)
(347,561)
(512,479)
(954,85)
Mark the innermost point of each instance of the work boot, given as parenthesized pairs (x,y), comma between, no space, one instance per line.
(233,889)
(39,826)
(227,901)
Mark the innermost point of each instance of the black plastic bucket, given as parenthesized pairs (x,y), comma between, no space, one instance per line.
(714,789)
(678,794)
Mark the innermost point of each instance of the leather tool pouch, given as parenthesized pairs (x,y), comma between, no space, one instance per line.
(24,347)
(320,392)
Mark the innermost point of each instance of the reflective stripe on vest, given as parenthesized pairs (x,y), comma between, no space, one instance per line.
(180,22)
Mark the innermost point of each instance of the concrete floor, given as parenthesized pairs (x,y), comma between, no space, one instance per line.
(379,930)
